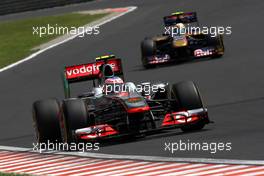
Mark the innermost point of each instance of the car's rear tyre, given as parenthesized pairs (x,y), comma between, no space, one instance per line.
(46,121)
(148,48)
(188,98)
(74,117)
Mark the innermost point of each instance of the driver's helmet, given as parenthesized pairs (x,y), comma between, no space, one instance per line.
(181,29)
(98,91)
(113,85)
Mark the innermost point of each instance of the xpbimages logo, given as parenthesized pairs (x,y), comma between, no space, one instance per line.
(64,30)
(211,147)
(213,30)
(51,146)
(144,88)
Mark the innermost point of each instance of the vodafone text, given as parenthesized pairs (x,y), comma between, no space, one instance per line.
(85,69)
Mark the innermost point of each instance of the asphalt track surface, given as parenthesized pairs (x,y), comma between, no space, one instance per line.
(232,87)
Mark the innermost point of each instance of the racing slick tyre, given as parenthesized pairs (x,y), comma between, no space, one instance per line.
(148,48)
(219,44)
(188,98)
(46,121)
(74,117)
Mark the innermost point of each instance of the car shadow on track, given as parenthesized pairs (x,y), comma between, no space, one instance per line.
(174,64)
(163,134)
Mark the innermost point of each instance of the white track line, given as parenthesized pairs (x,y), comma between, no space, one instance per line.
(9,154)
(17,149)
(4,153)
(32,160)
(45,162)
(165,159)
(56,164)
(18,159)
(18,155)
(130,9)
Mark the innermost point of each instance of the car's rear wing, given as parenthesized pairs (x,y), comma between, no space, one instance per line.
(180,17)
(89,71)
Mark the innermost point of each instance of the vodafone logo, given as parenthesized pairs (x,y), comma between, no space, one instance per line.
(85,70)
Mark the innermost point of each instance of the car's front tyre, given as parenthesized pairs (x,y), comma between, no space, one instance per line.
(46,121)
(188,98)
(74,117)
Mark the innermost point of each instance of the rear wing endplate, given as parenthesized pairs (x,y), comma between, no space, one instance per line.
(182,17)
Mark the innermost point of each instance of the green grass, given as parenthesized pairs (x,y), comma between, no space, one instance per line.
(17,39)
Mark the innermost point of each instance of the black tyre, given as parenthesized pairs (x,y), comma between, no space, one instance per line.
(46,121)
(188,98)
(219,44)
(148,48)
(74,117)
